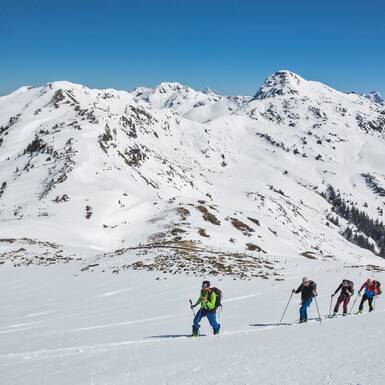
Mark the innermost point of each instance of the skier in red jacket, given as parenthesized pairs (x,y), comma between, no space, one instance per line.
(371,291)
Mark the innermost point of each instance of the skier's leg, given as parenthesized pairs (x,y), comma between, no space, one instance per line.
(338,303)
(212,317)
(197,319)
(303,309)
(370,302)
(363,299)
(302,312)
(308,302)
(346,302)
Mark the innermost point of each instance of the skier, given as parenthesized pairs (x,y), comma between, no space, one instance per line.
(308,291)
(347,290)
(371,291)
(209,300)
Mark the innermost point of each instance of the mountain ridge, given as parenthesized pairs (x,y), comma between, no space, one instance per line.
(171,166)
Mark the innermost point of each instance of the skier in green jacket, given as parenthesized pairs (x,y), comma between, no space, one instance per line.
(208,302)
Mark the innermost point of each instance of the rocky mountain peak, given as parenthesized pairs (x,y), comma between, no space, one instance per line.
(280,83)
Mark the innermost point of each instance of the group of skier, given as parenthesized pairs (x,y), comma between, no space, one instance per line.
(210,300)
(308,290)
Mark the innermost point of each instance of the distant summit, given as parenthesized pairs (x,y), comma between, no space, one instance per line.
(374,96)
(209,91)
(279,84)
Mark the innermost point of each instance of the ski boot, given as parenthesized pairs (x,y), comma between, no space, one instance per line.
(359,312)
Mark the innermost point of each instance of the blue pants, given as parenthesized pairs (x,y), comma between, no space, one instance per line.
(212,318)
(303,309)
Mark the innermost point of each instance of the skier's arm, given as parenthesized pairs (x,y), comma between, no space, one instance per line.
(199,301)
(338,289)
(363,285)
(210,304)
(299,289)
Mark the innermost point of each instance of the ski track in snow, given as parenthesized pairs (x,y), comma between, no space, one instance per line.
(150,340)
(95,348)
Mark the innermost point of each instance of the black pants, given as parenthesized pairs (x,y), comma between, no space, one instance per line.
(370,300)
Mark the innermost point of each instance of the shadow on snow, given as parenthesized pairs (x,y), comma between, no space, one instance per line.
(175,336)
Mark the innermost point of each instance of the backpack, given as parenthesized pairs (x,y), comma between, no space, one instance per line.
(313,285)
(219,296)
(378,285)
(350,285)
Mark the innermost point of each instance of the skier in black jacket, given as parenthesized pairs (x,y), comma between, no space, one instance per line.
(347,290)
(308,291)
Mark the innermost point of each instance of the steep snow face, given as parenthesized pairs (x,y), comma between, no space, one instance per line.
(171,168)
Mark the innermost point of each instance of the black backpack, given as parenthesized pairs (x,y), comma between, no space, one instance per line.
(313,285)
(350,285)
(219,296)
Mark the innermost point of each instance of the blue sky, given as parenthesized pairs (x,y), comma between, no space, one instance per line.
(230,46)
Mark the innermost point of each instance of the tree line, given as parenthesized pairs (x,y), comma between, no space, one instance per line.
(362,230)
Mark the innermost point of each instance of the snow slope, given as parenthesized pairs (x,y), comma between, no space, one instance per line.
(60,327)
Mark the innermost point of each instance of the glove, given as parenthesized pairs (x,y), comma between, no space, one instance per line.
(332,295)
(293,291)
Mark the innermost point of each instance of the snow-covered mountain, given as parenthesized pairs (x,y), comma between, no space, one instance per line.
(374,96)
(188,181)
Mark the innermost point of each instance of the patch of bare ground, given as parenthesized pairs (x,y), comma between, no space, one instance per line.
(241,226)
(177,230)
(208,216)
(25,252)
(372,268)
(255,221)
(254,247)
(183,213)
(309,255)
(202,233)
(188,257)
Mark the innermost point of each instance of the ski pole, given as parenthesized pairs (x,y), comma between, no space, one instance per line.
(284,312)
(319,315)
(330,308)
(192,307)
(351,309)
